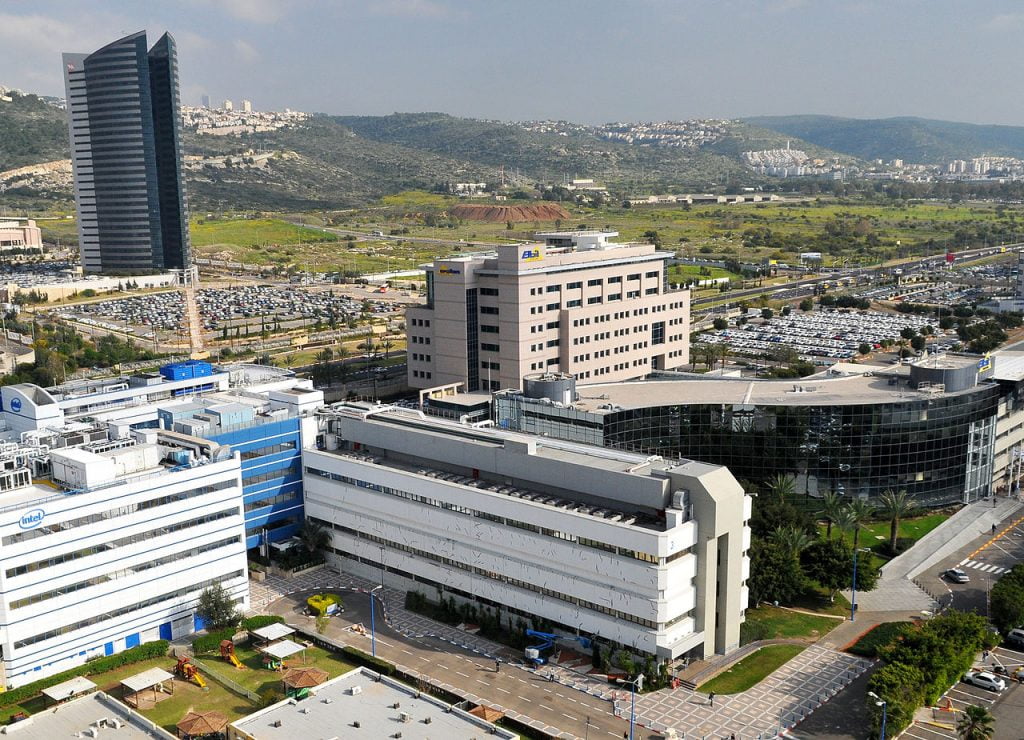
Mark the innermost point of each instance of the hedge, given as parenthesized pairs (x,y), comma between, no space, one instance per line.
(318,603)
(880,637)
(358,656)
(210,642)
(155,649)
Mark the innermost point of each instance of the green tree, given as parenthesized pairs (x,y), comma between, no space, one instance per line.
(864,348)
(790,539)
(767,313)
(830,563)
(901,687)
(976,723)
(720,324)
(782,486)
(1006,602)
(807,304)
(894,505)
(917,343)
(315,538)
(774,574)
(217,609)
(860,512)
(831,505)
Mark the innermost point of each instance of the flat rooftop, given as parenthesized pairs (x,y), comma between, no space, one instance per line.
(74,718)
(367,698)
(845,391)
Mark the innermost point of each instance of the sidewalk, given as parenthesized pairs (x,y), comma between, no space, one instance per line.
(897,592)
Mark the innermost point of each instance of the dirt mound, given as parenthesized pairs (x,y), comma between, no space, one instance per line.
(540,212)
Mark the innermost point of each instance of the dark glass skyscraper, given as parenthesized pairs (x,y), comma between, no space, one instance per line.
(125,125)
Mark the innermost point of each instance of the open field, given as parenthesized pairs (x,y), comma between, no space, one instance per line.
(776,623)
(253,232)
(258,679)
(751,670)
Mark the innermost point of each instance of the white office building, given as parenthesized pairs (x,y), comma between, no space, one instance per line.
(643,552)
(113,547)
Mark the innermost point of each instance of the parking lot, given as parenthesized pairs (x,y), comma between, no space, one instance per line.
(226,308)
(831,333)
(1006,706)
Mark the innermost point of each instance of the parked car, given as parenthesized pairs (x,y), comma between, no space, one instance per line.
(1016,637)
(985,680)
(957,576)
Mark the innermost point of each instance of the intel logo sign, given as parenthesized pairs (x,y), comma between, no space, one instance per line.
(31,519)
(15,404)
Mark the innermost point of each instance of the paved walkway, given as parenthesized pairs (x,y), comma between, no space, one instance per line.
(776,704)
(896,589)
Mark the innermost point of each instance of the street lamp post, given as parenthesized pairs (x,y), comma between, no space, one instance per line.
(853,589)
(637,684)
(879,702)
(373,630)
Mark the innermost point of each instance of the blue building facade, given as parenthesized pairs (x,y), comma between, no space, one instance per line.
(271,455)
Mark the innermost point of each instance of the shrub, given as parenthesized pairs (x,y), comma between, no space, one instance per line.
(358,656)
(156,649)
(880,638)
(210,642)
(319,603)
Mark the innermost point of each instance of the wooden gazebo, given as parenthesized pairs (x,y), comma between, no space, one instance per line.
(305,677)
(201,724)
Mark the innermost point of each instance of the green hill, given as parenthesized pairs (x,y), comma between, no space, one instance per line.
(917,140)
(31,131)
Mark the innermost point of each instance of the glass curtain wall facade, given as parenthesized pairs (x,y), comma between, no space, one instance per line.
(124,124)
(939,449)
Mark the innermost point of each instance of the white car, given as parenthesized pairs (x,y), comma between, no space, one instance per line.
(985,680)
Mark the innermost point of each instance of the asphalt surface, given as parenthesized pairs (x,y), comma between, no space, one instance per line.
(987,557)
(524,691)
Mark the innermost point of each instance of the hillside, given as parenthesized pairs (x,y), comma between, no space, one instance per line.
(547,157)
(31,131)
(917,140)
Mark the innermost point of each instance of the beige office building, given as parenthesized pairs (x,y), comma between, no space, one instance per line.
(575,303)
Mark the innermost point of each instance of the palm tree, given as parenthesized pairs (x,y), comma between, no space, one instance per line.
(315,538)
(975,724)
(831,504)
(792,540)
(894,506)
(860,512)
(782,486)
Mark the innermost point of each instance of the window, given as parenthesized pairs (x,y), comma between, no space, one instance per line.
(489,291)
(652,274)
(488,329)
(616,279)
(554,306)
(595,281)
(489,347)
(490,310)
(490,365)
(593,299)
(634,276)
(554,288)
(553,324)
(651,291)
(573,304)
(574,285)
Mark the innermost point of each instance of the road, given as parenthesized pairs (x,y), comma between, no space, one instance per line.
(524,691)
(987,557)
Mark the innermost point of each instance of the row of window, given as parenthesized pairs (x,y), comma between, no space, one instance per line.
(113,614)
(278,499)
(293,469)
(416,356)
(419,340)
(113,513)
(422,374)
(438,504)
(420,322)
(500,577)
(133,539)
(268,450)
(124,572)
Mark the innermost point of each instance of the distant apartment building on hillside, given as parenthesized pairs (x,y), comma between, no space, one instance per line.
(574,303)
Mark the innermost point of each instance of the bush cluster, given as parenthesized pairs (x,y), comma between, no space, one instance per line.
(210,642)
(155,649)
(319,603)
(925,663)
(1007,600)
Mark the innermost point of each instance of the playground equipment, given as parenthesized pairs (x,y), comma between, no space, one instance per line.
(272,664)
(187,670)
(533,653)
(227,651)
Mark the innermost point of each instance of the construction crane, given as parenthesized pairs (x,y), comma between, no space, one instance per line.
(188,280)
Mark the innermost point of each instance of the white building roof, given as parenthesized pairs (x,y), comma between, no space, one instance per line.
(146,679)
(273,632)
(76,718)
(283,649)
(77,685)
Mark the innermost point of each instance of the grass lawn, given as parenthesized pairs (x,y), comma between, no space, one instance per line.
(253,232)
(751,670)
(875,535)
(257,679)
(817,599)
(771,622)
(879,637)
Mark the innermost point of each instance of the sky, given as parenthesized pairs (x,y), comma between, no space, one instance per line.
(590,61)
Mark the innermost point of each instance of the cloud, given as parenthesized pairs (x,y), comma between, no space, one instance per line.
(245,51)
(253,11)
(1005,22)
(411,9)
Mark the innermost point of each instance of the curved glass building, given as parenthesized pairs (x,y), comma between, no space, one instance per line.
(927,429)
(125,132)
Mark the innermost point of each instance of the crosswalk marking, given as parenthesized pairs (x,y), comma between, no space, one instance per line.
(983,567)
